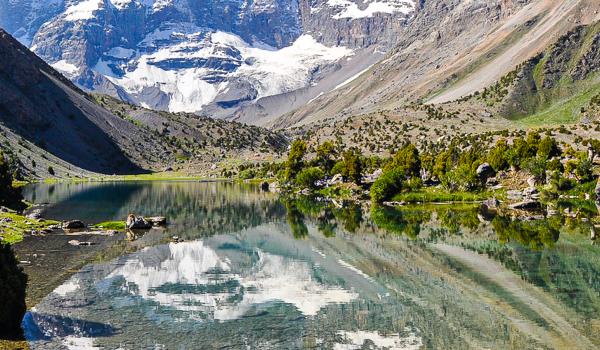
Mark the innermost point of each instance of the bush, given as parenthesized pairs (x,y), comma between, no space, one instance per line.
(461,178)
(12,293)
(309,176)
(9,196)
(247,174)
(389,184)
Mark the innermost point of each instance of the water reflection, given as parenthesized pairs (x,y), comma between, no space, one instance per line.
(308,274)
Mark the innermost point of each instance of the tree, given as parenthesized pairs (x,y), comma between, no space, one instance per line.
(497,157)
(9,196)
(309,176)
(295,159)
(547,148)
(12,293)
(352,166)
(387,185)
(326,154)
(407,159)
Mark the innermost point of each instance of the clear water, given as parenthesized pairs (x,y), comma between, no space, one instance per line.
(260,272)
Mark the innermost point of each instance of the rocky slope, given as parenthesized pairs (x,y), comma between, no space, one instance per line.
(211,57)
(46,121)
(450,50)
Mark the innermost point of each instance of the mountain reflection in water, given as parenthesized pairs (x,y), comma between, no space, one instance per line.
(261,272)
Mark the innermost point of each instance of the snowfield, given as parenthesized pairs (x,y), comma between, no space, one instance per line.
(194,70)
(351,10)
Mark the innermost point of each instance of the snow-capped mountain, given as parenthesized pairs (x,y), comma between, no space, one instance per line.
(210,57)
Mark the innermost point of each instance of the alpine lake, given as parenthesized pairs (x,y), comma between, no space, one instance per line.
(240,268)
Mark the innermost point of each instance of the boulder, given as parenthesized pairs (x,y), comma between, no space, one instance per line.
(530,192)
(526,205)
(264,186)
(485,171)
(157,220)
(34,214)
(597,191)
(73,225)
(531,181)
(137,223)
(79,243)
(491,203)
(336,179)
(514,194)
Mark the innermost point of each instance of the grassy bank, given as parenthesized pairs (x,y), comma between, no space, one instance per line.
(14,226)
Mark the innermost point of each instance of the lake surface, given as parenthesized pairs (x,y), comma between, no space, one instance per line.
(260,272)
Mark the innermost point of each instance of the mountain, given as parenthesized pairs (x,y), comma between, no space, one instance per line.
(210,57)
(48,122)
(451,49)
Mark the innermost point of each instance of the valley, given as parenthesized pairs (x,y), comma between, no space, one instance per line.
(302,174)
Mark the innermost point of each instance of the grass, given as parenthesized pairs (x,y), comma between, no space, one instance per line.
(110,225)
(564,112)
(13,231)
(431,195)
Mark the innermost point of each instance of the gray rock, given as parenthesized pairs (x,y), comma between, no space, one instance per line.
(491,203)
(157,220)
(485,171)
(597,191)
(79,243)
(137,223)
(514,194)
(531,181)
(526,205)
(73,225)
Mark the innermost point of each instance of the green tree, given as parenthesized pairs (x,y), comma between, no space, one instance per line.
(13,282)
(497,157)
(547,148)
(387,185)
(352,169)
(407,159)
(9,196)
(309,176)
(295,160)
(326,155)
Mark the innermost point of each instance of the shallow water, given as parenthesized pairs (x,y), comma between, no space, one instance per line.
(256,271)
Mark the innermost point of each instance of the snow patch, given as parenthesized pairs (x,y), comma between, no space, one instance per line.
(83,10)
(356,339)
(351,10)
(65,67)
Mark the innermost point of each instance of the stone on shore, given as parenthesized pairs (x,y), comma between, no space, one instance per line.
(526,205)
(73,225)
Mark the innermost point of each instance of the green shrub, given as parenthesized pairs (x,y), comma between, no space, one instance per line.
(247,174)
(12,293)
(389,184)
(307,177)
(461,178)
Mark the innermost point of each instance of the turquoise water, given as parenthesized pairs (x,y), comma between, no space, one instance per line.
(261,272)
